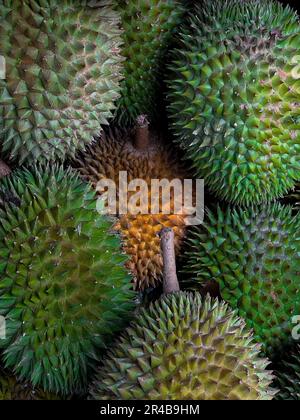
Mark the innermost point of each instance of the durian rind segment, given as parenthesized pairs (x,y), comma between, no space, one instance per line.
(63,68)
(64,290)
(234,95)
(183,348)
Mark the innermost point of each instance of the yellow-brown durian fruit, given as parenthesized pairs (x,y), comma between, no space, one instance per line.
(144,155)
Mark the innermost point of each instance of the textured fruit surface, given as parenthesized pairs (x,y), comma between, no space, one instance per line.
(4,169)
(288,377)
(254,255)
(295,196)
(149,26)
(62,75)
(183,348)
(234,94)
(12,389)
(115,153)
(64,290)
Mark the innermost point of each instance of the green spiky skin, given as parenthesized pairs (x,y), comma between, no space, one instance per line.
(62,75)
(288,377)
(234,94)
(12,389)
(149,26)
(254,256)
(64,290)
(184,348)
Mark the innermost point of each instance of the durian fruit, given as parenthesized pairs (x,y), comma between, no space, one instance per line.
(184,348)
(234,95)
(119,151)
(12,389)
(254,256)
(288,377)
(62,75)
(149,27)
(64,290)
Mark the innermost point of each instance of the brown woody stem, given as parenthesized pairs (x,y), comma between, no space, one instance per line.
(141,137)
(170,283)
(4,169)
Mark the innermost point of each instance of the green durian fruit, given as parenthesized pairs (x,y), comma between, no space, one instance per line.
(254,256)
(12,389)
(183,348)
(64,290)
(149,26)
(62,75)
(234,94)
(288,377)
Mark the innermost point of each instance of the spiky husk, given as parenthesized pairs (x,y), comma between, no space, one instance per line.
(149,26)
(254,256)
(184,348)
(288,377)
(64,290)
(234,94)
(62,75)
(114,153)
(12,389)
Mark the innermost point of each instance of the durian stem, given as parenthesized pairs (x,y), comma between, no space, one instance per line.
(4,169)
(170,283)
(141,137)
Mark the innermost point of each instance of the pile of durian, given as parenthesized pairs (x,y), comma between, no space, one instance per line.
(162,89)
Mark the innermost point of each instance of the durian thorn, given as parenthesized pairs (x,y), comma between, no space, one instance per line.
(142,135)
(170,280)
(4,169)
